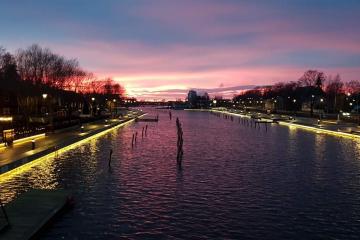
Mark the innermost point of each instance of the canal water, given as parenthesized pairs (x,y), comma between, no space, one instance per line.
(236,182)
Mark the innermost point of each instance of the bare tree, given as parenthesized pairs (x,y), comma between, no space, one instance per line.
(108,86)
(118,89)
(334,89)
(312,78)
(41,66)
(353,87)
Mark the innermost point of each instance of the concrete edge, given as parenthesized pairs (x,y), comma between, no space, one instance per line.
(28,159)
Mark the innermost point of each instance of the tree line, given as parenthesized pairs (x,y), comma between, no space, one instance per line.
(42,67)
(314,88)
(37,84)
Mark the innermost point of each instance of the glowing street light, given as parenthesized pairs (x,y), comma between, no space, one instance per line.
(114,100)
(6,119)
(44,96)
(92,99)
(321,100)
(214,101)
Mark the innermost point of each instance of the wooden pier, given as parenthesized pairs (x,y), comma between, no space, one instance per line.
(32,211)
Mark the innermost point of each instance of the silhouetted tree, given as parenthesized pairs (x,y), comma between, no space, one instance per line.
(333,89)
(313,82)
(353,87)
(312,78)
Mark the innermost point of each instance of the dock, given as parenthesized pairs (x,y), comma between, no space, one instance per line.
(147,119)
(32,211)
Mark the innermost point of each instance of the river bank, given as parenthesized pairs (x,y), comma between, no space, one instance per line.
(28,152)
(241,181)
(342,129)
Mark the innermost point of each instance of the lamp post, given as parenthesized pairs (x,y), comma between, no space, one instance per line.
(48,109)
(357,105)
(214,102)
(114,108)
(312,103)
(93,106)
(44,96)
(321,103)
(294,101)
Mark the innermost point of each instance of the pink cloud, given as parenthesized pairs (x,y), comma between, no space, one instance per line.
(149,70)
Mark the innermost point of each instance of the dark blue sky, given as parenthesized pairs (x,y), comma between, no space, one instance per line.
(154,46)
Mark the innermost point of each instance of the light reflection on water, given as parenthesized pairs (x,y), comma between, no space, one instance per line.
(236,182)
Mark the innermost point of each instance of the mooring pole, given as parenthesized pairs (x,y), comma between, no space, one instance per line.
(180,141)
(5,214)
(111,152)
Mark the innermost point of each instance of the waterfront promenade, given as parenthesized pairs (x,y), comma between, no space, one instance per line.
(21,153)
(332,127)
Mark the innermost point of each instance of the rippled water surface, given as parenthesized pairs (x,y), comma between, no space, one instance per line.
(236,182)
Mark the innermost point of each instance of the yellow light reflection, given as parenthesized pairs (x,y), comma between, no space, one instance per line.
(321,130)
(309,128)
(22,140)
(26,167)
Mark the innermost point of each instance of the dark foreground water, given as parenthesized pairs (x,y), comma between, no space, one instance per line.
(236,183)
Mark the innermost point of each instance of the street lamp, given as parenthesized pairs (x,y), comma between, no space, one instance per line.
(44,96)
(92,99)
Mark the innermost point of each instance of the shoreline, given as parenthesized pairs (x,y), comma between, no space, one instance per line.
(32,158)
(316,129)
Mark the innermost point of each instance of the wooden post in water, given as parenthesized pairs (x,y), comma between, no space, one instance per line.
(170,115)
(135,137)
(111,152)
(5,215)
(132,141)
(180,141)
(146,130)
(142,132)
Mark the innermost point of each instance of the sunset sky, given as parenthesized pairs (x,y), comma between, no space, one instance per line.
(162,48)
